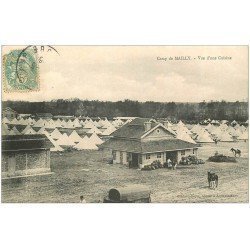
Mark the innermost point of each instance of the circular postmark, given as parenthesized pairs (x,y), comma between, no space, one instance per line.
(21,67)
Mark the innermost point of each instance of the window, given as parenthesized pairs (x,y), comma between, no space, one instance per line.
(183,152)
(158,131)
(193,151)
(147,156)
(158,155)
(114,155)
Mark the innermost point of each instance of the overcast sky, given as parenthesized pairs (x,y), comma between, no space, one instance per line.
(133,72)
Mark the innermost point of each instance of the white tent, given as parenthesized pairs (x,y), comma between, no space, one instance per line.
(50,124)
(5,129)
(208,127)
(29,131)
(242,128)
(230,130)
(15,130)
(27,128)
(225,137)
(117,123)
(182,135)
(56,147)
(42,131)
(216,131)
(237,126)
(5,120)
(96,139)
(63,123)
(109,130)
(58,123)
(89,125)
(23,122)
(223,127)
(243,136)
(94,130)
(86,143)
(75,137)
(204,137)
(236,133)
(40,123)
(56,134)
(64,140)
(14,121)
(30,120)
(196,128)
(106,123)
(69,124)
(76,123)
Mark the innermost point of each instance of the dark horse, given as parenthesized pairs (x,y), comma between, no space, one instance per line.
(236,152)
(212,178)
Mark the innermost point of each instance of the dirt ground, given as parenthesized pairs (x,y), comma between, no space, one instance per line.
(87,173)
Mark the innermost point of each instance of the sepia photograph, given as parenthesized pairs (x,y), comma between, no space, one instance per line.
(124,124)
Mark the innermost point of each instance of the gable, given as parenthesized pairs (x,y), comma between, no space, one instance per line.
(159,133)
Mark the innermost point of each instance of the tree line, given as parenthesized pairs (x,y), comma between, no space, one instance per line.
(219,110)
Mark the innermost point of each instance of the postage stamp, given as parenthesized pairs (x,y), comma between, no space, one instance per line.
(20,71)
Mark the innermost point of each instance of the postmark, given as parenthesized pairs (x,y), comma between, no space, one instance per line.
(21,68)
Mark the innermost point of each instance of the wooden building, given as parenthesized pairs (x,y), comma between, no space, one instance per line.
(143,141)
(25,155)
(9,113)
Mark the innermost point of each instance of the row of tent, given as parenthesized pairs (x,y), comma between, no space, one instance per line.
(216,122)
(209,133)
(90,128)
(60,140)
(58,123)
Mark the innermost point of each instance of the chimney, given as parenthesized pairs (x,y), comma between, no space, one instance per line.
(147,126)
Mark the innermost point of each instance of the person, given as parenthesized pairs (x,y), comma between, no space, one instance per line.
(174,165)
(169,163)
(82,200)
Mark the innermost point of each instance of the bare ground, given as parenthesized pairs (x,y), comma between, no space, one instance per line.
(86,173)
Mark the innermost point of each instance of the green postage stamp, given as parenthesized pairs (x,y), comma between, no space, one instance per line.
(20,71)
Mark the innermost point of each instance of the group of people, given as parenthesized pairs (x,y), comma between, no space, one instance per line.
(171,164)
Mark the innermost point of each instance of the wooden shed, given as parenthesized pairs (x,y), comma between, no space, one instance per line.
(25,155)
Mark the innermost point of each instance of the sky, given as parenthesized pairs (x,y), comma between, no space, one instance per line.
(115,73)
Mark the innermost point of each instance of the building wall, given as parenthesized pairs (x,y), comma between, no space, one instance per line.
(26,163)
(153,157)
(158,134)
(187,153)
(121,157)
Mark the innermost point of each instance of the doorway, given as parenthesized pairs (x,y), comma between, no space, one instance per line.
(172,155)
(134,161)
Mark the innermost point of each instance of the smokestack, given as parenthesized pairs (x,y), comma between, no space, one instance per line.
(147,126)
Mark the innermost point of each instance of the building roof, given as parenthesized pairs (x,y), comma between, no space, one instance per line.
(25,142)
(136,146)
(135,129)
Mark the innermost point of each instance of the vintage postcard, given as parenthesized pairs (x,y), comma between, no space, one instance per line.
(124,124)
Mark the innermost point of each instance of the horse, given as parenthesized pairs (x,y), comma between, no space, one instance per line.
(213,179)
(236,152)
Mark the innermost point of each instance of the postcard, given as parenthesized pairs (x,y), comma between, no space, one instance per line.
(124,124)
